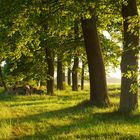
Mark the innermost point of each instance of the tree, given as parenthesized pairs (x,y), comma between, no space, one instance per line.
(98,87)
(76,59)
(82,75)
(47,25)
(129,63)
(50,71)
(59,74)
(27,31)
(69,72)
(2,80)
(75,74)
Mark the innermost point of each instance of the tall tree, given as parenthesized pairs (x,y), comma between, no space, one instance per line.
(98,87)
(129,63)
(82,75)
(75,74)
(50,71)
(2,80)
(69,73)
(76,59)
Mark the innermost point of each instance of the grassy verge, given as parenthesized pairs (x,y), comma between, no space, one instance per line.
(65,116)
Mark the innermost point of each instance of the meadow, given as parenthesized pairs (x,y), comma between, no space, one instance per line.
(65,116)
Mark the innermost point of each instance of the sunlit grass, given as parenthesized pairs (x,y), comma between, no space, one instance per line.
(65,116)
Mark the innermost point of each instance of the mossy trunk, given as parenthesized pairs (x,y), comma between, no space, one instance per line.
(98,86)
(129,63)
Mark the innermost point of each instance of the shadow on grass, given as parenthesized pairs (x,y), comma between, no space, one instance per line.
(87,119)
(4,97)
(13,97)
(60,132)
(39,102)
(103,136)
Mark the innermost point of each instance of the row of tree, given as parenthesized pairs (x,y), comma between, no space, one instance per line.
(36,34)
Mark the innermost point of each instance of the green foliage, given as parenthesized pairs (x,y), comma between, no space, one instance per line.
(134,21)
(27,27)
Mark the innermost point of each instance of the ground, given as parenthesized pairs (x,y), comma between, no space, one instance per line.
(65,116)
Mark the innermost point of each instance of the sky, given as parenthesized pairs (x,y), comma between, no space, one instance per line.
(116,73)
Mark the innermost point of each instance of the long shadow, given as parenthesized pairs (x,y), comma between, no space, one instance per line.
(81,108)
(84,124)
(4,97)
(43,101)
(89,119)
(28,103)
(104,136)
(12,97)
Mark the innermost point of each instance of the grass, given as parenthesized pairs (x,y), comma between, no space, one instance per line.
(65,116)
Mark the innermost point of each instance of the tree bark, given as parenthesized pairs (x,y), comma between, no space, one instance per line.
(75,74)
(64,77)
(98,86)
(129,62)
(59,75)
(2,80)
(76,60)
(50,72)
(69,71)
(69,76)
(82,76)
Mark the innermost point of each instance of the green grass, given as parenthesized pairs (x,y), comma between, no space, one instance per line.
(65,116)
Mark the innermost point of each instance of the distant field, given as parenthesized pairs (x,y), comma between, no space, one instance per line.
(110,80)
(113,80)
(65,117)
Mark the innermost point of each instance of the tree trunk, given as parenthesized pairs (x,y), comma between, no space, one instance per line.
(75,74)
(82,76)
(50,72)
(129,63)
(59,75)
(64,77)
(69,72)
(98,86)
(2,80)
(69,76)
(76,60)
